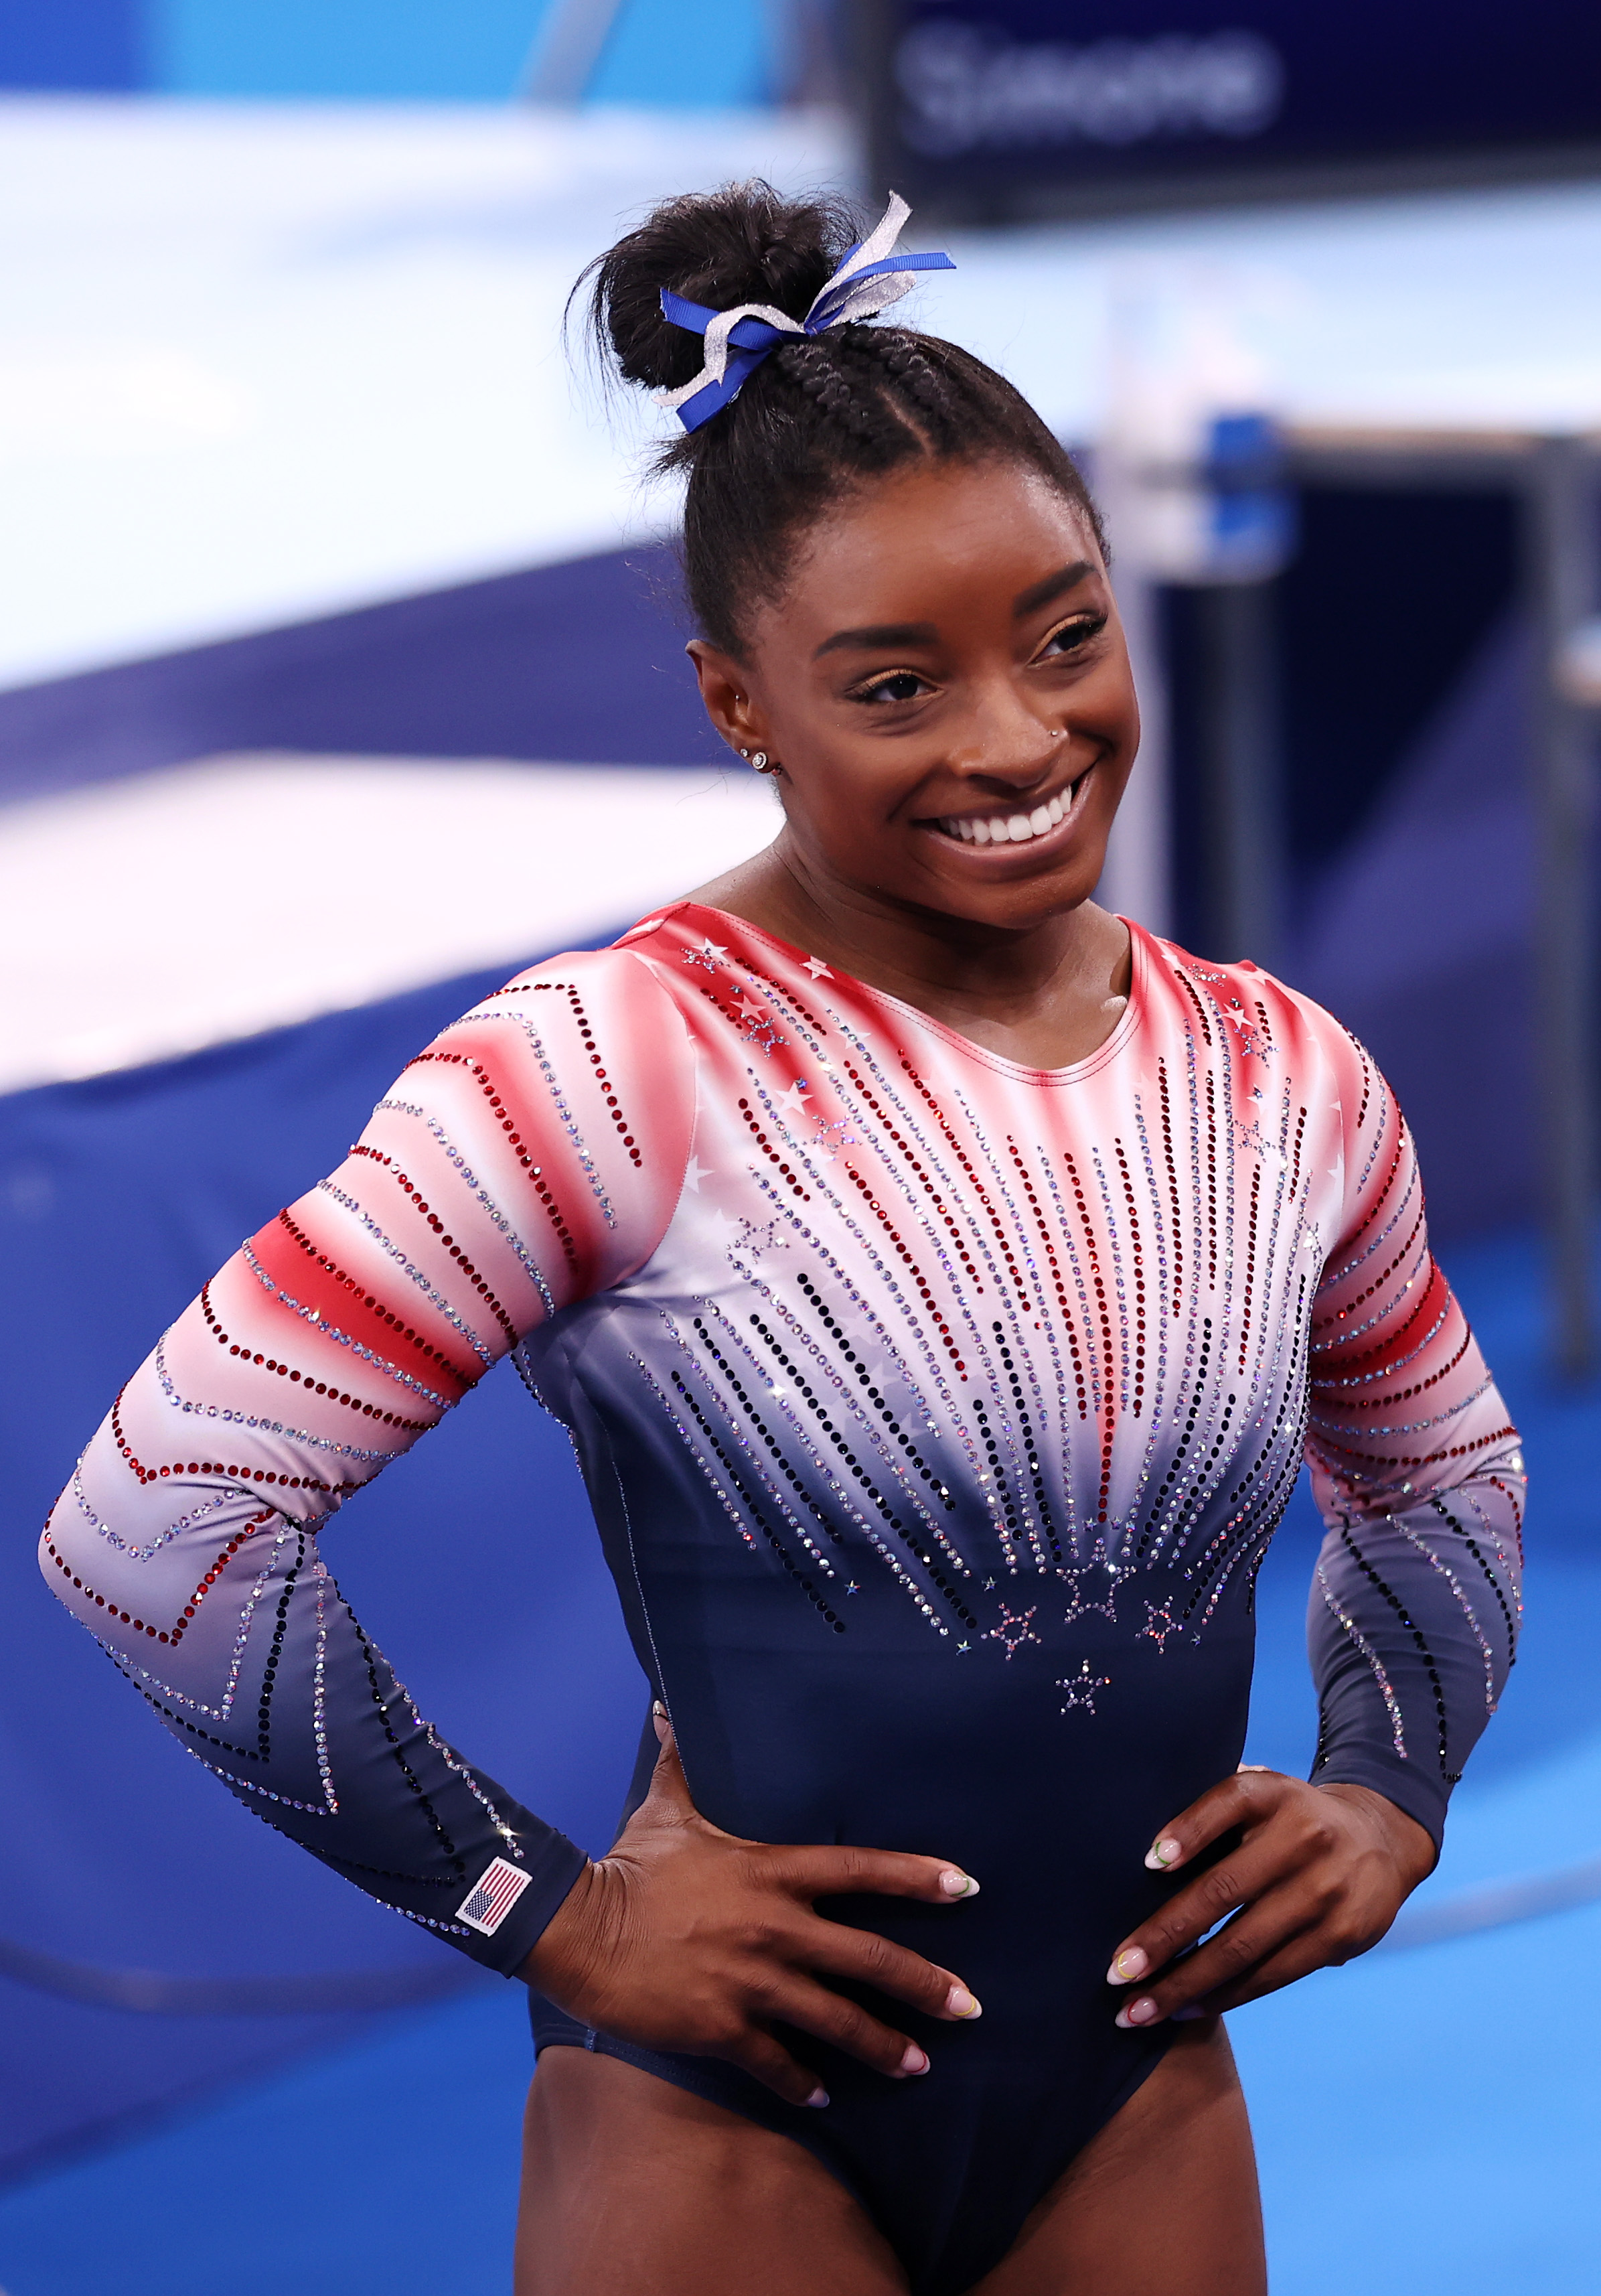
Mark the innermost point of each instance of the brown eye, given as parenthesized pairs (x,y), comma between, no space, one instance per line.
(1074,634)
(904,685)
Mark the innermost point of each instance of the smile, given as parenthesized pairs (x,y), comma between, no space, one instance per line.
(1011,828)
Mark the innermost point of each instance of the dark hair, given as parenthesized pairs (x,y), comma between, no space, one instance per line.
(819,417)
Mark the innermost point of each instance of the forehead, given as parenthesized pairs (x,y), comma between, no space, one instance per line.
(934,542)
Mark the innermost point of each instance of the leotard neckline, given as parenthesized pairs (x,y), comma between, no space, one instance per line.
(1122,1032)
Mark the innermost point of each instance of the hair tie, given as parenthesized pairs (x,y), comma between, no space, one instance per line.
(868,279)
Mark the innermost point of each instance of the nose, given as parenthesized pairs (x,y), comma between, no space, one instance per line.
(1007,744)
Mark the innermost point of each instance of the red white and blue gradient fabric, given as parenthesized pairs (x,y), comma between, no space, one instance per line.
(937,1413)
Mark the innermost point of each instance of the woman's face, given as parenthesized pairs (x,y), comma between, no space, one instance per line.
(945,685)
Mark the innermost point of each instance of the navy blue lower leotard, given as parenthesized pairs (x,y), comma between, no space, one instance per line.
(936,1414)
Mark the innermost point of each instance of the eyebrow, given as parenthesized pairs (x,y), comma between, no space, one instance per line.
(878,638)
(878,635)
(1041,594)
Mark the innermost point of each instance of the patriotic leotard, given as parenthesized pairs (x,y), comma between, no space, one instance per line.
(937,1413)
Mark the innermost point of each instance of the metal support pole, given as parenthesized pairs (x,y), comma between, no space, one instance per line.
(1241,783)
(567,49)
(1136,879)
(1560,573)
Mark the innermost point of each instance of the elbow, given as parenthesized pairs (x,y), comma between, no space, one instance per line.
(56,1565)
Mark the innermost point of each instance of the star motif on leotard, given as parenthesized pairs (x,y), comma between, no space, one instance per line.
(760,1236)
(1101,1567)
(1159,1623)
(1251,1045)
(708,955)
(761,1031)
(796,1097)
(831,1137)
(818,970)
(1014,1629)
(695,1171)
(1080,1688)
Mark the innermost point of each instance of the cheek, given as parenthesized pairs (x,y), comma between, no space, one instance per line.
(841,792)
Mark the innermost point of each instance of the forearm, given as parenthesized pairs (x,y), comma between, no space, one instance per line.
(1412,1629)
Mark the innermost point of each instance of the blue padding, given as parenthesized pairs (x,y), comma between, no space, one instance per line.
(473,1562)
(73,43)
(581,663)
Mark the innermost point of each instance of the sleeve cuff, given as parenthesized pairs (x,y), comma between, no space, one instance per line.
(1412,1790)
(508,1908)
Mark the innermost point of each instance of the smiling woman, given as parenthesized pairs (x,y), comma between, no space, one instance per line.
(942,1280)
(963,762)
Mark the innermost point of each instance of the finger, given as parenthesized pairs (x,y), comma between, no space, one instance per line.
(770,2063)
(865,1958)
(846,2026)
(1220,1890)
(1230,1958)
(816,1871)
(658,1715)
(1294,1960)
(1244,1798)
(667,1781)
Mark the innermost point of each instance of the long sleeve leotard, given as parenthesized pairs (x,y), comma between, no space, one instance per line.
(936,1414)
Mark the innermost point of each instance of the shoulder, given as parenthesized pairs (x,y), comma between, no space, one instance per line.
(1253,1007)
(623,986)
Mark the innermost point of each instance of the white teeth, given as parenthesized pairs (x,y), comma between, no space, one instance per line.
(1013,828)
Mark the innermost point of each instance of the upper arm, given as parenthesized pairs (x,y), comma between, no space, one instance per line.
(1401,1402)
(532,1155)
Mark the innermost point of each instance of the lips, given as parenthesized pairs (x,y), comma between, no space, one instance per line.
(1011,828)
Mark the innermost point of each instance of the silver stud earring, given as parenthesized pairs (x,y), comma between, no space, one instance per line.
(760,762)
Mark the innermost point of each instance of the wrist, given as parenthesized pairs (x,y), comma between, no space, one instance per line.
(1409,1844)
(559,1956)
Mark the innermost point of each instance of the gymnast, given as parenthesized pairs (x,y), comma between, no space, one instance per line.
(942,1280)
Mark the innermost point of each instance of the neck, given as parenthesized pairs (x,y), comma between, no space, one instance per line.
(1047,993)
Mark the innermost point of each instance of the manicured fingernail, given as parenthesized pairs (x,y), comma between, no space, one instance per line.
(960,2002)
(955,1883)
(1162,1853)
(914,2061)
(657,1708)
(1136,2013)
(819,2096)
(1128,1964)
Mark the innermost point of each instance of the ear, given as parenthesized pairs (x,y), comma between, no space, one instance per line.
(725,690)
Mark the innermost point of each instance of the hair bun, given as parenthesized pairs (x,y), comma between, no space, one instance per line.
(741,244)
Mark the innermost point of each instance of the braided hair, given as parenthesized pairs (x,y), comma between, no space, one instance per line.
(821,417)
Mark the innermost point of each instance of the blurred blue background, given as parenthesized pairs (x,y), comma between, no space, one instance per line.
(321,564)
(720,52)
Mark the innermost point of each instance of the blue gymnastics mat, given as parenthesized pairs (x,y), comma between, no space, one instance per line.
(1426,2118)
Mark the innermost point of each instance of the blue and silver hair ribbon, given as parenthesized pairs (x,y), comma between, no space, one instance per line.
(869,280)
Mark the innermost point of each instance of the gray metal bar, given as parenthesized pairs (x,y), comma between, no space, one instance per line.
(1241,777)
(567,49)
(1559,501)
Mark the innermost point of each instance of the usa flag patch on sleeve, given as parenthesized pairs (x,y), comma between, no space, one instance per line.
(491,1897)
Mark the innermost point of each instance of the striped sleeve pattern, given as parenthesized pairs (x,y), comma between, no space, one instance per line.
(1417,1468)
(501,1179)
